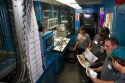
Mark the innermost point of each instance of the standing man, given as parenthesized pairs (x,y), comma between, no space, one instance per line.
(97,46)
(83,40)
(107,72)
(118,63)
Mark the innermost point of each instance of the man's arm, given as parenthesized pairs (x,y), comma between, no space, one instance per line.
(76,45)
(99,69)
(95,80)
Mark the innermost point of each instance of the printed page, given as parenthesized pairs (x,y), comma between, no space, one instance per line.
(90,73)
(83,61)
(89,56)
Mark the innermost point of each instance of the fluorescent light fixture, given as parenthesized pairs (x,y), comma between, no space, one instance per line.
(71,3)
(66,1)
(76,6)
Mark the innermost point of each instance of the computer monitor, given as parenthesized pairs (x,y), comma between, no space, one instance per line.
(48,41)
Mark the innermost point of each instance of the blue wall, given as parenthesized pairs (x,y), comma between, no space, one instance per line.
(109,6)
(118,11)
(119,24)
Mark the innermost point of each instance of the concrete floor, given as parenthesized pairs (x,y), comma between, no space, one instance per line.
(72,73)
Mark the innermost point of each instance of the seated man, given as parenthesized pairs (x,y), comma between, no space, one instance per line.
(118,63)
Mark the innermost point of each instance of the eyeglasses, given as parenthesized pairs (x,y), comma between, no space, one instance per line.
(107,46)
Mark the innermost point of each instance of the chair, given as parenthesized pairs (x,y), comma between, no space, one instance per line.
(71,55)
(71,52)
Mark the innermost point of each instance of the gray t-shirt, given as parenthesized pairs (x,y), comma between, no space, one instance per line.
(120,78)
(108,72)
(83,41)
(97,48)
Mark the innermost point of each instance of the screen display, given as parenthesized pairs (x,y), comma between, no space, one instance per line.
(49,41)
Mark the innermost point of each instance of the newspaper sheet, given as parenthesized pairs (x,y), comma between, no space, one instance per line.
(86,60)
(90,56)
(90,73)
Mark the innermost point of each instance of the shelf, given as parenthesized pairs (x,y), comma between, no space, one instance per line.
(52,27)
(46,10)
(45,17)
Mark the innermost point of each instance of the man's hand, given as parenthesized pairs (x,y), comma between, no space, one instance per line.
(99,69)
(95,80)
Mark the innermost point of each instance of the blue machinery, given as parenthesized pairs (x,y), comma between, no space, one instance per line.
(6,41)
(47,43)
(52,60)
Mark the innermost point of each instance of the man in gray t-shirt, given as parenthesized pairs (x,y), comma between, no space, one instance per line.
(107,71)
(118,63)
(83,40)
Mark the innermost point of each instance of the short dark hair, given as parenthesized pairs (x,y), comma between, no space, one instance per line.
(120,61)
(113,40)
(82,28)
(41,28)
(105,30)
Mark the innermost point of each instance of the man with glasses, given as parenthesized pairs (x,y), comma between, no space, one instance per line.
(107,72)
(118,63)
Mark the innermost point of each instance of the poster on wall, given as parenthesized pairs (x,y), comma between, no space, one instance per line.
(101,20)
(109,21)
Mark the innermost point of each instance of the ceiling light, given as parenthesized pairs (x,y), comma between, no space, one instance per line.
(71,3)
(66,1)
(76,6)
